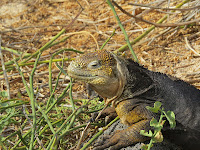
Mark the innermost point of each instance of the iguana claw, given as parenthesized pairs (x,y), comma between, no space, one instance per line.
(109,114)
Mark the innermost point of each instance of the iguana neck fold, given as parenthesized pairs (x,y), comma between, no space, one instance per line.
(121,74)
(137,83)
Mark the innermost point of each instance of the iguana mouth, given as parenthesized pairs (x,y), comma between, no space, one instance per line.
(86,75)
(83,76)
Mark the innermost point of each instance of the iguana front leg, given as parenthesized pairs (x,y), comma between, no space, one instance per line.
(136,117)
(125,137)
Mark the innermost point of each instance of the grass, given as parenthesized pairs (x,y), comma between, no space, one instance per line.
(42,124)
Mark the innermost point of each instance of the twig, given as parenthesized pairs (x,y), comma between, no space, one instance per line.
(79,143)
(13,51)
(72,104)
(121,49)
(52,40)
(163,32)
(194,35)
(4,71)
(107,40)
(29,120)
(25,55)
(50,71)
(30,92)
(142,13)
(101,112)
(33,101)
(54,141)
(46,118)
(153,7)
(46,112)
(29,27)
(82,134)
(40,62)
(123,30)
(196,21)
(99,133)
(56,137)
(188,45)
(84,32)
(149,10)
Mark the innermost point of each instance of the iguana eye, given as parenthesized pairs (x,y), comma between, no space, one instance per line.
(94,64)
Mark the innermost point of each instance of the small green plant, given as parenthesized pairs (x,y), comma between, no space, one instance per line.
(3,94)
(156,135)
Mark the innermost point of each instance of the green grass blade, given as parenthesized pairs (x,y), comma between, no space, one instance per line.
(123,30)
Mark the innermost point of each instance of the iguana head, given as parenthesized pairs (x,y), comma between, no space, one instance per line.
(102,70)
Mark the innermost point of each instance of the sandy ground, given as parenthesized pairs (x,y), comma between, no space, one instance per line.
(28,25)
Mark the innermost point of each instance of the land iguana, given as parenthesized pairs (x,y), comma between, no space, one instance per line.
(130,87)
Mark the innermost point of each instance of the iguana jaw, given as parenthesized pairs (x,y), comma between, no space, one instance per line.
(105,86)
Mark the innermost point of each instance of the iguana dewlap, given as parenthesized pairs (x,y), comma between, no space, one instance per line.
(130,88)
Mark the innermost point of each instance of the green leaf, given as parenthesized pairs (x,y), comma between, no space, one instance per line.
(145,146)
(156,107)
(3,94)
(158,137)
(157,104)
(149,134)
(171,118)
(154,123)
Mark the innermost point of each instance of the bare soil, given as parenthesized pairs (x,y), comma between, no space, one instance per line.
(28,25)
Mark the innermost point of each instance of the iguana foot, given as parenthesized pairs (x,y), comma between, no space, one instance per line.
(124,138)
(109,114)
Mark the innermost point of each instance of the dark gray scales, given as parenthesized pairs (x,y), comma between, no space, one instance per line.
(130,88)
(176,95)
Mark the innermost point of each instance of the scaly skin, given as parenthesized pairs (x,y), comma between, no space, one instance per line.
(130,88)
